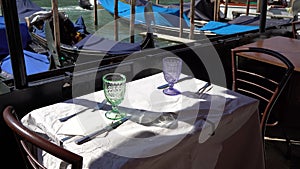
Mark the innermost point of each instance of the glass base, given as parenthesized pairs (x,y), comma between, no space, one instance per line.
(114,115)
(171,92)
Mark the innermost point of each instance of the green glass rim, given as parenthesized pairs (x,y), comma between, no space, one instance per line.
(112,74)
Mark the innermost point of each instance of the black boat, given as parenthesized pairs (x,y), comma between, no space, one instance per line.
(77,41)
(90,47)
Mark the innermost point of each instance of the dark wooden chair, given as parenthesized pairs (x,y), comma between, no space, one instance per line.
(27,139)
(260,83)
(295,29)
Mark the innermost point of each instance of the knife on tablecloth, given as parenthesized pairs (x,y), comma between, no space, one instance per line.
(98,132)
(99,106)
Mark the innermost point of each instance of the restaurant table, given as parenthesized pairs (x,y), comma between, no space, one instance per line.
(217,129)
(288,47)
(289,102)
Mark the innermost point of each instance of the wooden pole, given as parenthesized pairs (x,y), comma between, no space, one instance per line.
(56,26)
(157,1)
(226,8)
(132,20)
(216,10)
(258,6)
(247,7)
(116,16)
(192,25)
(181,19)
(95,13)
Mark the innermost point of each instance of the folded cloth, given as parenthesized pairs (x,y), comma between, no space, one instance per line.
(83,123)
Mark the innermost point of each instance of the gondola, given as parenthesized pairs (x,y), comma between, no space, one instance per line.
(77,41)
(39,50)
(109,50)
(166,19)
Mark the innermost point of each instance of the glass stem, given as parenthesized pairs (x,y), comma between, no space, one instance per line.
(171,86)
(115,109)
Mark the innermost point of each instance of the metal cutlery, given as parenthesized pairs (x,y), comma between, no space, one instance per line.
(72,115)
(203,88)
(163,86)
(101,131)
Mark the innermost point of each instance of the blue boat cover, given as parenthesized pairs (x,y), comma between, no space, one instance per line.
(26,8)
(221,28)
(167,15)
(34,62)
(3,40)
(96,43)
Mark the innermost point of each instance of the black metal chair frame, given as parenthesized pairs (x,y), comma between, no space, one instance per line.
(275,92)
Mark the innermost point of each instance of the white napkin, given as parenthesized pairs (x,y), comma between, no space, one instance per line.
(84,123)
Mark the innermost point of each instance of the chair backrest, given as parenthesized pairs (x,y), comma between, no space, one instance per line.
(259,82)
(296,29)
(27,138)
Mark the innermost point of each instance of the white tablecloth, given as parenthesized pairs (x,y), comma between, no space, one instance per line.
(219,129)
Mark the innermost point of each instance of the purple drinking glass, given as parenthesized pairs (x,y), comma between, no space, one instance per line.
(171,70)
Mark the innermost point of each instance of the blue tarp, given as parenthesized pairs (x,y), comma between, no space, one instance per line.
(221,28)
(96,43)
(34,62)
(3,40)
(168,16)
(26,8)
(163,16)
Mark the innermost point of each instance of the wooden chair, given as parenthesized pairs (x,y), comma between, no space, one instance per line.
(256,82)
(296,29)
(27,138)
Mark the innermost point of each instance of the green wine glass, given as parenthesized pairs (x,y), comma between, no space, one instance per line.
(114,86)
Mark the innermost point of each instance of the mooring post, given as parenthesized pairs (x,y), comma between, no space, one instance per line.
(95,12)
(56,26)
(192,24)
(132,20)
(116,16)
(181,19)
